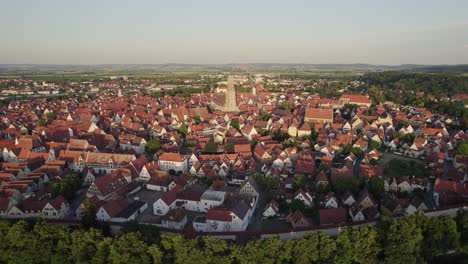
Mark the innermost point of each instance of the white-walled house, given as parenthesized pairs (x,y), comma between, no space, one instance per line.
(305,197)
(56,208)
(272,209)
(173,161)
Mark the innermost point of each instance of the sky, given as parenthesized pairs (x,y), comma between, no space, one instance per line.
(389,32)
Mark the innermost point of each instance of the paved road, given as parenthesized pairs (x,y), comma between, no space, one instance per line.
(256,221)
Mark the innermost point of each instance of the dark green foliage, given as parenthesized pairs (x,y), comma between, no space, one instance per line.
(299,182)
(149,233)
(462,227)
(357,246)
(42,122)
(374,144)
(51,115)
(297,204)
(180,91)
(89,220)
(270,182)
(210,147)
(235,123)
(242,89)
(462,148)
(68,186)
(384,86)
(265,116)
(401,241)
(183,130)
(152,146)
(406,138)
(229,148)
(399,168)
(411,239)
(437,84)
(440,235)
(343,184)
(376,187)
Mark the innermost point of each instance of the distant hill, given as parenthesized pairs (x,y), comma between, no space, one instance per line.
(462,68)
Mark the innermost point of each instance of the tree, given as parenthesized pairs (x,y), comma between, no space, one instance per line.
(42,122)
(210,147)
(343,184)
(306,250)
(89,220)
(183,130)
(358,152)
(326,247)
(229,148)
(51,115)
(440,235)
(376,187)
(268,251)
(253,143)
(84,245)
(462,148)
(299,182)
(197,119)
(152,146)
(179,250)
(149,233)
(265,116)
(129,248)
(462,227)
(297,204)
(235,123)
(68,186)
(270,182)
(357,245)
(374,144)
(401,240)
(214,250)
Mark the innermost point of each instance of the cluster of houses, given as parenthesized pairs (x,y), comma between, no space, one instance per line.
(275,135)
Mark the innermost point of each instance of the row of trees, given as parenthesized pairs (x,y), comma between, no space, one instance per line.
(181,91)
(412,239)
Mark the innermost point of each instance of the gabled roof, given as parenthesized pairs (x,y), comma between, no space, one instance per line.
(332,216)
(219,215)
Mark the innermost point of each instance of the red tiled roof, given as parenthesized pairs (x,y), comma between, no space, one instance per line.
(442,186)
(219,215)
(170,196)
(332,216)
(171,157)
(114,207)
(318,113)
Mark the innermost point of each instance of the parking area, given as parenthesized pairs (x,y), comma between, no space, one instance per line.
(150,197)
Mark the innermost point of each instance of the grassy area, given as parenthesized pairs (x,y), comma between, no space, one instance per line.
(404,167)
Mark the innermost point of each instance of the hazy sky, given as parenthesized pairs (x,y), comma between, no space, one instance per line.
(221,31)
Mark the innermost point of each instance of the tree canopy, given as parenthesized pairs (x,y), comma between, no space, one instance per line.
(152,146)
(411,239)
(463,148)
